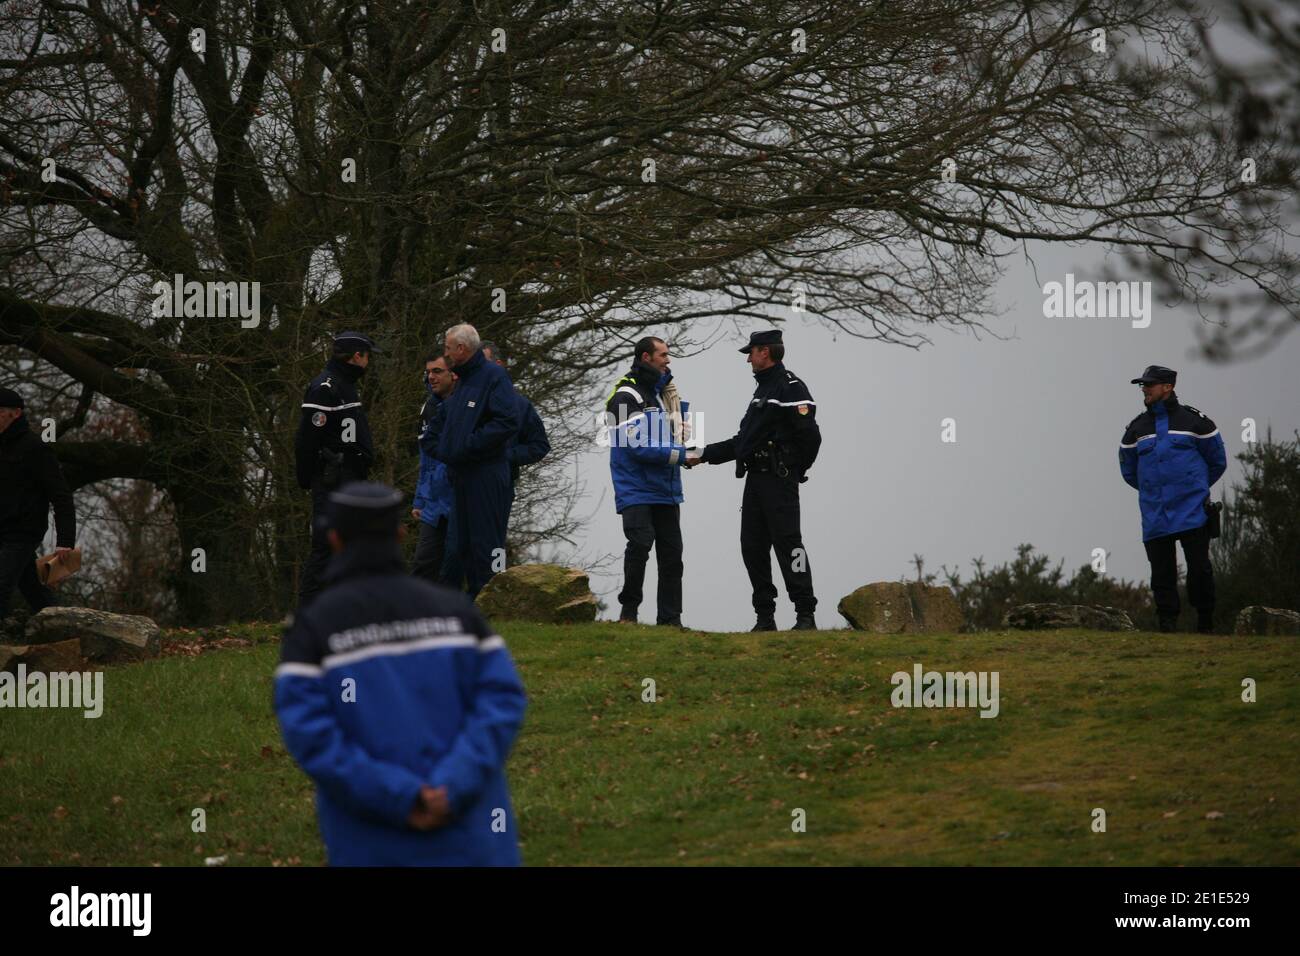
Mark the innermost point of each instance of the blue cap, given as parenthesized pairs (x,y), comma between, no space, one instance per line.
(770,337)
(365,508)
(1156,375)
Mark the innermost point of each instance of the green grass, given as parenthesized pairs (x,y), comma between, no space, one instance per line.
(747,728)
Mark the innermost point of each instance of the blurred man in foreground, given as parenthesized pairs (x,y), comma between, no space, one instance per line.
(398,700)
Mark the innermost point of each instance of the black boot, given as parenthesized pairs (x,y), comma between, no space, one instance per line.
(805,622)
(627,615)
(1168,624)
(1205,622)
(766,622)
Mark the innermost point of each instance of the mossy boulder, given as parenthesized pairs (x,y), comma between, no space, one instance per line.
(895,607)
(1048,617)
(1260,620)
(544,593)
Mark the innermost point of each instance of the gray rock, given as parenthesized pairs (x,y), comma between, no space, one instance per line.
(104,637)
(1047,617)
(893,607)
(546,593)
(1258,620)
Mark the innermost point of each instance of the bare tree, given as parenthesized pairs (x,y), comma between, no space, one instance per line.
(565,176)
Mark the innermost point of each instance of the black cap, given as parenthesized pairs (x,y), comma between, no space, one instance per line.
(770,337)
(355,342)
(365,508)
(1156,375)
(10,399)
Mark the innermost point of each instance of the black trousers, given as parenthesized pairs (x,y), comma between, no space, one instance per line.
(660,527)
(18,570)
(769,520)
(309,582)
(1164,571)
(430,551)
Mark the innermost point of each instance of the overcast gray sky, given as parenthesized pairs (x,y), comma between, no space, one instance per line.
(1038,423)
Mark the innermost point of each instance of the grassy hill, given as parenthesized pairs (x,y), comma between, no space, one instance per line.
(747,729)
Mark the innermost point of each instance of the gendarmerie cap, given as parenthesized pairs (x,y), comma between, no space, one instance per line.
(1156,375)
(770,337)
(10,399)
(355,342)
(365,508)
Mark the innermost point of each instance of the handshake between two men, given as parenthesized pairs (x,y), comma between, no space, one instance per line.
(775,445)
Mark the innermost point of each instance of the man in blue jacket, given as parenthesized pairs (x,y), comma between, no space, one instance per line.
(470,435)
(433,494)
(645,463)
(1172,454)
(530,445)
(400,703)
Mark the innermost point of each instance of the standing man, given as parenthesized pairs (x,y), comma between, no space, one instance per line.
(470,436)
(1172,454)
(400,703)
(776,445)
(645,463)
(433,496)
(530,445)
(30,482)
(333,444)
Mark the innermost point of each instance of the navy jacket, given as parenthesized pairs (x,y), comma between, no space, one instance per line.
(1171,454)
(782,411)
(330,402)
(478,419)
(644,461)
(530,444)
(387,683)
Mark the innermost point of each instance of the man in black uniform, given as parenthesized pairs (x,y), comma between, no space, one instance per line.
(776,445)
(333,445)
(30,482)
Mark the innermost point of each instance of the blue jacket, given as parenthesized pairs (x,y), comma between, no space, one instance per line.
(387,683)
(1171,454)
(433,494)
(478,419)
(530,444)
(644,461)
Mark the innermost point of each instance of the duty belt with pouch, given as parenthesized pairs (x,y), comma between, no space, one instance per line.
(1214,510)
(767,460)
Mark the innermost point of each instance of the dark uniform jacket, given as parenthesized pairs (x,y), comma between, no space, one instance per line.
(30,481)
(530,444)
(331,400)
(783,413)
